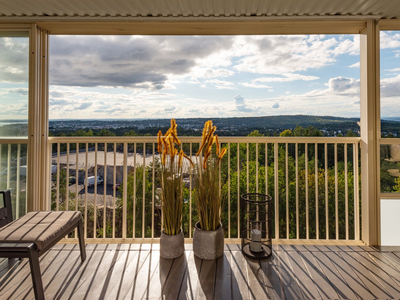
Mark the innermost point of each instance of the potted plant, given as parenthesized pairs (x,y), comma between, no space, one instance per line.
(208,236)
(171,177)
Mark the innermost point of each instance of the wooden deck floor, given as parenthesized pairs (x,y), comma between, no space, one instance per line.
(138,272)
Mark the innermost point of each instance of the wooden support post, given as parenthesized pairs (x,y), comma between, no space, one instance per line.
(38,164)
(370,133)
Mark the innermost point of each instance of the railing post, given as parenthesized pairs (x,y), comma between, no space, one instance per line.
(370,133)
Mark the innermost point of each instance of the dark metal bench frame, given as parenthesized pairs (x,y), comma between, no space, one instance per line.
(29,250)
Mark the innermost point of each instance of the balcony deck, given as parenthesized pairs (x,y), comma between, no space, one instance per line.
(137,272)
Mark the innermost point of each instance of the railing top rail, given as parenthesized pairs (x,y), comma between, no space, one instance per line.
(197,139)
(389,141)
(13,140)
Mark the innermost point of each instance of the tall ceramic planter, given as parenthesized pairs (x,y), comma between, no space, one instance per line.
(208,244)
(172,246)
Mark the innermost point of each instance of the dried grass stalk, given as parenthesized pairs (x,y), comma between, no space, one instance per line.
(207,193)
(172,166)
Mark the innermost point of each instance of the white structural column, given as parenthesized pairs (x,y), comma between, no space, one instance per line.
(38,164)
(370,131)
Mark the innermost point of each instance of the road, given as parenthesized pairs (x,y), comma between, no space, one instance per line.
(99,196)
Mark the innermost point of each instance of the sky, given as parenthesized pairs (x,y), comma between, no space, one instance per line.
(134,77)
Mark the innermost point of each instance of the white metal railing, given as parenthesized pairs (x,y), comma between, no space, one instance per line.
(13,171)
(304,208)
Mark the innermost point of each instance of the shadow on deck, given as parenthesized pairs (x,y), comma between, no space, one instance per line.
(133,271)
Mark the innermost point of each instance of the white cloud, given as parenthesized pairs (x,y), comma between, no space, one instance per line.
(122,61)
(241,105)
(356,65)
(389,41)
(14,60)
(256,85)
(392,70)
(84,106)
(350,46)
(343,85)
(220,84)
(390,87)
(275,105)
(290,54)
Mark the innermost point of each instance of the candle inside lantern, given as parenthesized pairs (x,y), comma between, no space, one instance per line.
(255,244)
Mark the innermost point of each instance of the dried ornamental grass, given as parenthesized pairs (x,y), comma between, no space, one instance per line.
(172,163)
(208,197)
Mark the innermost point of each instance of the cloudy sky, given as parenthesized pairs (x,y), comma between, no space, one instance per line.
(103,77)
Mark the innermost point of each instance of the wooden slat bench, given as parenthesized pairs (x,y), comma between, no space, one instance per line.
(33,234)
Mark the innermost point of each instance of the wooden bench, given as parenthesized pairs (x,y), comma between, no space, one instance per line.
(33,234)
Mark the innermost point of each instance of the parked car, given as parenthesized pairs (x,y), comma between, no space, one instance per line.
(90,181)
(116,186)
(72,180)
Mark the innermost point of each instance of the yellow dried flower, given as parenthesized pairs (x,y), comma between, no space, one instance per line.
(180,159)
(159,141)
(221,155)
(187,157)
(217,142)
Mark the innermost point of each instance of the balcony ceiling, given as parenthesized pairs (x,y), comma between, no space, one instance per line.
(192,9)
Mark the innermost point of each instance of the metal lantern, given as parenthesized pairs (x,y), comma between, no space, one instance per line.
(256,225)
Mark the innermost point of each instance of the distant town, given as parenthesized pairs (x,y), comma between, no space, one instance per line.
(266,126)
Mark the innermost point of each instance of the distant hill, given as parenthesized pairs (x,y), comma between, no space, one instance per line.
(284,121)
(240,126)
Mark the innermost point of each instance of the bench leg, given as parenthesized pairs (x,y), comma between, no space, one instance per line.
(81,241)
(35,272)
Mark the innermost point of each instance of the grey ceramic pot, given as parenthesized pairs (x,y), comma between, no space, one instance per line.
(208,244)
(172,246)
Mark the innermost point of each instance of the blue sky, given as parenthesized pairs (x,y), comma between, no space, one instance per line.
(102,77)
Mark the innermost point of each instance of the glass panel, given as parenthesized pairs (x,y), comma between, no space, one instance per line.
(12,157)
(390,83)
(390,168)
(14,74)
(133,85)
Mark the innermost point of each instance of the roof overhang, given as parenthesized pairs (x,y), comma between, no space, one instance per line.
(206,17)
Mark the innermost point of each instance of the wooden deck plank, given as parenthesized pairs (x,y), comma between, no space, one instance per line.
(353,281)
(172,282)
(206,279)
(52,265)
(124,272)
(392,258)
(190,279)
(112,277)
(14,276)
(256,279)
(272,278)
(311,248)
(66,268)
(334,277)
(142,259)
(366,277)
(383,262)
(381,276)
(240,287)
(304,279)
(154,286)
(143,278)
(223,281)
(96,275)
(121,286)
(290,286)
(319,279)
(322,248)
(75,279)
